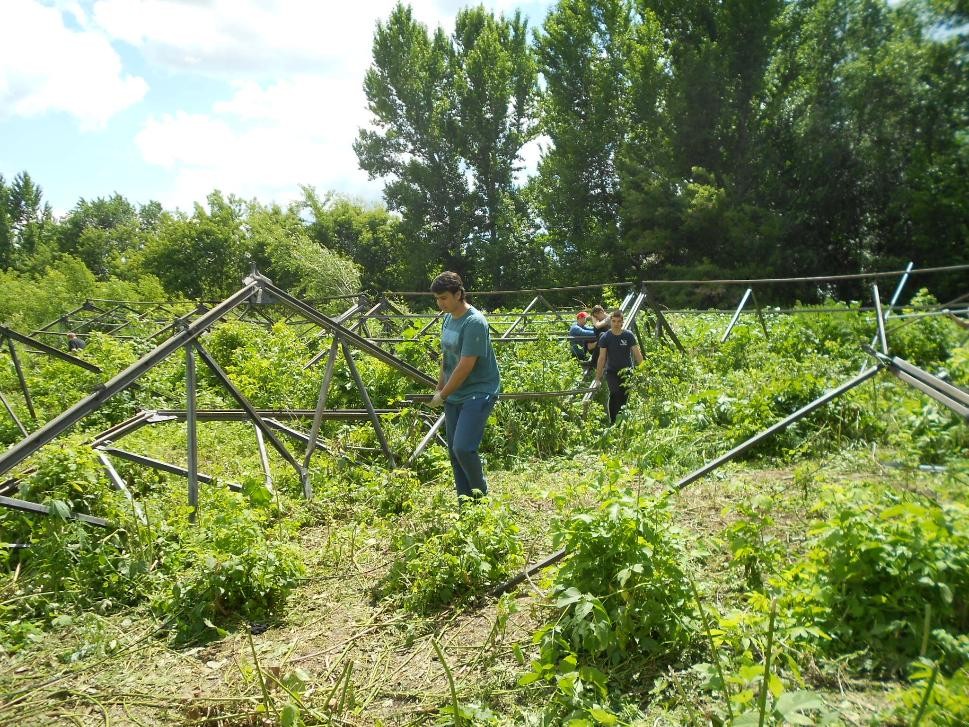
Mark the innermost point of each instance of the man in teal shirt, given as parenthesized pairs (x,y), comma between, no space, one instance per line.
(469,382)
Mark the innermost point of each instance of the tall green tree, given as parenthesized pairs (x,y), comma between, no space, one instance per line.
(30,221)
(414,145)
(869,120)
(6,229)
(104,233)
(368,235)
(494,76)
(584,51)
(690,170)
(451,116)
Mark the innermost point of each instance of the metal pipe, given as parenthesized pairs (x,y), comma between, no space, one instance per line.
(779,426)
(349,336)
(518,320)
(318,416)
(36,508)
(20,377)
(736,315)
(192,432)
(263,458)
(375,420)
(879,319)
(927,388)
(422,445)
(250,410)
(162,466)
(13,415)
(119,484)
(49,350)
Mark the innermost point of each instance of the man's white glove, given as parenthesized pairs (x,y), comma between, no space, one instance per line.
(436,401)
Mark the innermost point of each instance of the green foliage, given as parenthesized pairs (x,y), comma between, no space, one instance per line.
(451,117)
(224,568)
(450,556)
(624,588)
(924,342)
(71,566)
(282,248)
(265,365)
(542,427)
(752,546)
(623,592)
(873,565)
(940,700)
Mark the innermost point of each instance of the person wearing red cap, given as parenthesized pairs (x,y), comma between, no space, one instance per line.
(582,338)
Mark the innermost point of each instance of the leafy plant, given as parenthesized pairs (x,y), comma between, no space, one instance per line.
(873,564)
(224,568)
(752,546)
(454,555)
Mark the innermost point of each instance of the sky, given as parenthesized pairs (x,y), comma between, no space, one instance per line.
(168,100)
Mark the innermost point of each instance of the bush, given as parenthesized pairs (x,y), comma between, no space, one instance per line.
(623,589)
(224,568)
(873,565)
(454,556)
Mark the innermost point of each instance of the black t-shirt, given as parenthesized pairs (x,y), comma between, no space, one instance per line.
(619,349)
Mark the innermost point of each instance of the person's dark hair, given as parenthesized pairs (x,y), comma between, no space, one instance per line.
(448,282)
(617,312)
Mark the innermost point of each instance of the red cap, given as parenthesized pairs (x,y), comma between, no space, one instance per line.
(582,315)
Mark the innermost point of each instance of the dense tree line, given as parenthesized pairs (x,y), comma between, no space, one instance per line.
(691,138)
(741,138)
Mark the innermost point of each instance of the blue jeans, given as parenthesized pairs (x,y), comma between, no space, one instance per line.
(464,423)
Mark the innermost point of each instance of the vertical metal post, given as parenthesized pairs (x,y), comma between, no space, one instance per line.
(896,295)
(375,420)
(318,416)
(263,457)
(881,320)
(20,376)
(662,325)
(191,425)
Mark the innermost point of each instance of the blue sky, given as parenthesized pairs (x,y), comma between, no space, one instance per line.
(170,99)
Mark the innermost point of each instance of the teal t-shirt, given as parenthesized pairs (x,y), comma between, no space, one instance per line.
(469,336)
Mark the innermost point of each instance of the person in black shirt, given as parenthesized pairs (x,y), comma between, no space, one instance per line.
(73,342)
(618,351)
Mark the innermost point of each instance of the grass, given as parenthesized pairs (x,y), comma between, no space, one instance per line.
(117,669)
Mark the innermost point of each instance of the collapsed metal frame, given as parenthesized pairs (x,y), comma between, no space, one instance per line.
(343,336)
(258,289)
(952,397)
(10,336)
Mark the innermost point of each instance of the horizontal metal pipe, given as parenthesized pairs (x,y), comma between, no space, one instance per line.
(35,507)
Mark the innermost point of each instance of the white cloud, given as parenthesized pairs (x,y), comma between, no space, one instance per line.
(261,37)
(263,142)
(266,37)
(295,102)
(47,67)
